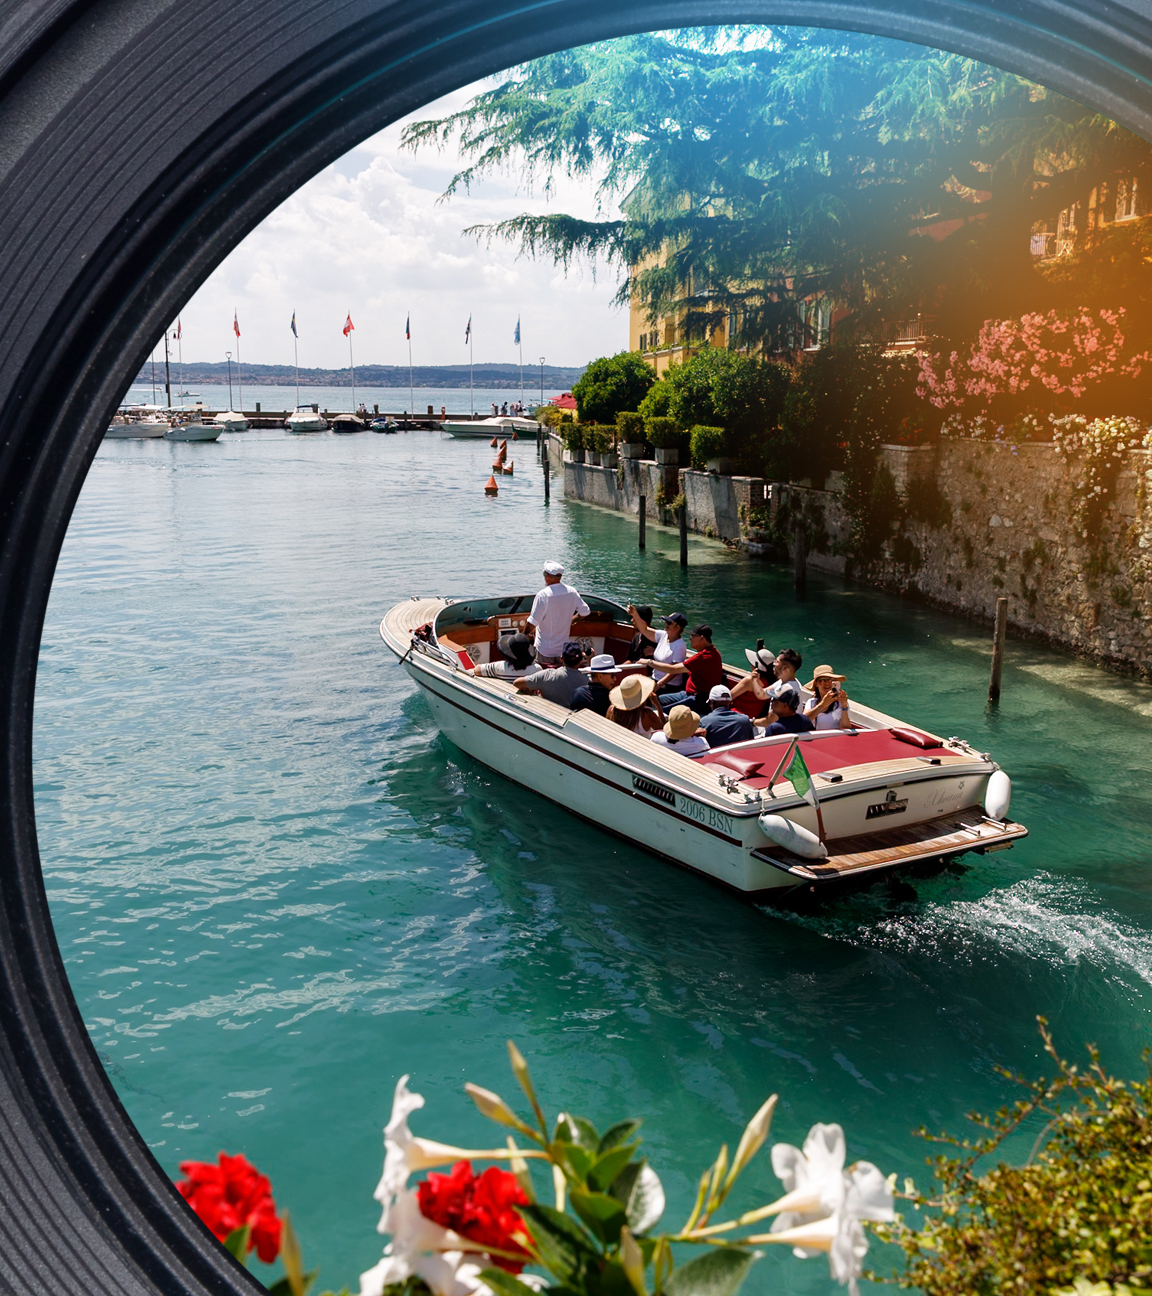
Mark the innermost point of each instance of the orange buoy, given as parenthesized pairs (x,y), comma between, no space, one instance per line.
(504,444)
(491,488)
(514,436)
(493,443)
(508,471)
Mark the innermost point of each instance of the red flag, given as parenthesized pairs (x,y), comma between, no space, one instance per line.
(179,328)
(348,325)
(235,324)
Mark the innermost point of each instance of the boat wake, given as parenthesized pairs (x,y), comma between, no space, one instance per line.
(1044,918)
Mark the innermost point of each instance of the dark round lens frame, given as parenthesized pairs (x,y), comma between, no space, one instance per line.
(140,141)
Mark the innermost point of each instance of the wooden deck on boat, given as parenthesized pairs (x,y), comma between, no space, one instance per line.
(968,829)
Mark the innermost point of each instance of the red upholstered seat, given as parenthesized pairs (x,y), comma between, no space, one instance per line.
(823,754)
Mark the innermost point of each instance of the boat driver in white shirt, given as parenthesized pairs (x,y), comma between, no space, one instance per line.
(551,616)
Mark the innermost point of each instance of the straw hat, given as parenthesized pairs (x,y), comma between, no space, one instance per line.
(632,692)
(824,672)
(682,723)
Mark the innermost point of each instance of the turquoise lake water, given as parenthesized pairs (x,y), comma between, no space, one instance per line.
(277,888)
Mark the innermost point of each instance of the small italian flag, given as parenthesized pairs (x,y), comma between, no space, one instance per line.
(797,774)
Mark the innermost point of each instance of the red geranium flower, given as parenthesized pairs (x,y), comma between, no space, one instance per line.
(228,1196)
(480,1208)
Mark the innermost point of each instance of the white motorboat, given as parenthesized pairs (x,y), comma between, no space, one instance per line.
(137,423)
(231,421)
(193,430)
(886,794)
(499,426)
(304,419)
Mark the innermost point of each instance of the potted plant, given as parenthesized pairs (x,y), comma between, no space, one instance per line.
(663,434)
(709,449)
(606,443)
(630,434)
(573,434)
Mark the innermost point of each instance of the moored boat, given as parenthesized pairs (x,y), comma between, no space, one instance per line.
(345,424)
(193,430)
(501,425)
(304,419)
(137,423)
(883,795)
(231,421)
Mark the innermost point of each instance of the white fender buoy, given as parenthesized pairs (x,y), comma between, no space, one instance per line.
(793,837)
(998,797)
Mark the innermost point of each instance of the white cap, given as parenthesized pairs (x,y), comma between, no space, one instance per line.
(553,569)
(720,693)
(603,664)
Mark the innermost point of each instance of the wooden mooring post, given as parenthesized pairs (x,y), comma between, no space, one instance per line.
(998,649)
(683,535)
(643,519)
(547,482)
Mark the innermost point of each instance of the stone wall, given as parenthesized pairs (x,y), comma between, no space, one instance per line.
(1001,524)
(980,521)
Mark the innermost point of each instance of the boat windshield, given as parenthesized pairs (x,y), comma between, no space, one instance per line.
(473,612)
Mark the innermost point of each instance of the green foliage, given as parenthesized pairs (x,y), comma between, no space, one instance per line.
(551,416)
(768,169)
(630,425)
(573,436)
(708,443)
(600,437)
(1076,1213)
(659,398)
(664,433)
(610,385)
(722,388)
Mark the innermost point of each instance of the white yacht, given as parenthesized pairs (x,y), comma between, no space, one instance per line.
(501,425)
(304,419)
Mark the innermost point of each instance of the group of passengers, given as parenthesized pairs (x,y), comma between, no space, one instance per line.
(683,700)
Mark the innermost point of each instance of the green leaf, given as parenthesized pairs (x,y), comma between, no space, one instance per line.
(237,1242)
(585,1134)
(604,1215)
(639,1188)
(604,1171)
(716,1273)
(618,1135)
(563,1245)
(505,1284)
(283,1286)
(578,1159)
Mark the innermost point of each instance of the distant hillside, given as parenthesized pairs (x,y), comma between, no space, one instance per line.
(370,375)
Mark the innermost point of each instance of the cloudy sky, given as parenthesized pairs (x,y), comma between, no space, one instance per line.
(368,236)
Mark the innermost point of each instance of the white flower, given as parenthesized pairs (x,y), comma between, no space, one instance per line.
(825,1203)
(405,1153)
(418,1246)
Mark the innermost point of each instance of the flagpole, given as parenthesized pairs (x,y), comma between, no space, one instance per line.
(521,366)
(471,384)
(411,387)
(180,350)
(352,366)
(239,378)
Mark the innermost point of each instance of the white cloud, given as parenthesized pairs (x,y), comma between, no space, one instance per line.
(368,236)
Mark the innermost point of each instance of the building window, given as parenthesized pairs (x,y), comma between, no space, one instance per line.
(1126,199)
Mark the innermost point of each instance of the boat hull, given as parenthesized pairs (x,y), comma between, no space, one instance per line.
(135,432)
(193,432)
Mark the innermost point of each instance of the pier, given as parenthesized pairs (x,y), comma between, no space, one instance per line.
(261,418)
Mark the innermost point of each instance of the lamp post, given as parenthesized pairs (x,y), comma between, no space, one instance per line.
(541,380)
(229,355)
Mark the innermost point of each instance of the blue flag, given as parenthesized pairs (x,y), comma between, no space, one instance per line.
(516,339)
(468,330)
(294,333)
(408,327)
